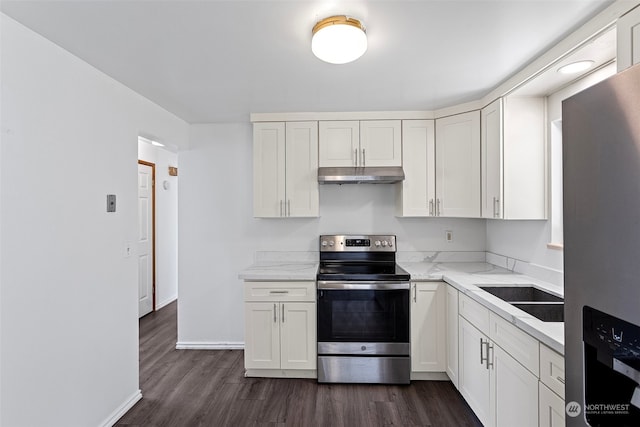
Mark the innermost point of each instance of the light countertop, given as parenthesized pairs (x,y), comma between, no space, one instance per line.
(464,276)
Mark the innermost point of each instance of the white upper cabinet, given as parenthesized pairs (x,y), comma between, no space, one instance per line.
(380,143)
(339,143)
(628,39)
(360,143)
(285,169)
(415,196)
(302,193)
(458,165)
(513,159)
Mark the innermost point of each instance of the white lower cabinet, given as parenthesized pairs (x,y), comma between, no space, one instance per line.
(552,409)
(452,334)
(501,391)
(280,329)
(473,374)
(514,390)
(428,344)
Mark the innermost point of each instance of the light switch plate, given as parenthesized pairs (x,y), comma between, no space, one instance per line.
(111,202)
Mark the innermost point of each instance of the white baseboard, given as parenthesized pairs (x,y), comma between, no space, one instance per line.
(199,345)
(165,303)
(119,412)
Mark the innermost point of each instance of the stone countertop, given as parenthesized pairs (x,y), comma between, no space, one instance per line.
(464,276)
(280,270)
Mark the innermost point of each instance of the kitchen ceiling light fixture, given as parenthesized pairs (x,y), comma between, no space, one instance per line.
(575,67)
(339,39)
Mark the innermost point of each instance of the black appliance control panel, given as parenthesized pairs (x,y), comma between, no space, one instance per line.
(602,331)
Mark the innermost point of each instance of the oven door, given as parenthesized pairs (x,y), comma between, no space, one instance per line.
(357,312)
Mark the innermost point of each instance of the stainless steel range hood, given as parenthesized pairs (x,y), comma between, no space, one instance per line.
(360,175)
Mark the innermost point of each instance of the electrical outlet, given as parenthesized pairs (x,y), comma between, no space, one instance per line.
(448,235)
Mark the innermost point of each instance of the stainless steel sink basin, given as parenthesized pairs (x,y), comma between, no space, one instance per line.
(521,294)
(547,312)
(543,305)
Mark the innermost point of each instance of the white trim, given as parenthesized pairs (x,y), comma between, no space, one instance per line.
(123,409)
(429,376)
(166,302)
(355,115)
(203,345)
(281,373)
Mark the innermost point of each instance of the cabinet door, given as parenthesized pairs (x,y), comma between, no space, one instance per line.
(415,196)
(473,375)
(339,143)
(628,39)
(491,157)
(552,409)
(268,169)
(428,327)
(298,335)
(515,391)
(458,165)
(262,335)
(302,198)
(380,143)
(452,334)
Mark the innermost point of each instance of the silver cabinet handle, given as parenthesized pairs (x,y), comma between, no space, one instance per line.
(560,379)
(281,203)
(289,207)
(489,357)
(356,150)
(482,358)
(431,207)
(497,208)
(415,293)
(437,207)
(282,313)
(494,207)
(278,292)
(275,313)
(364,159)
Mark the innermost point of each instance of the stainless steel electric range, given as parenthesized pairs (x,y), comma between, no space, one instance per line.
(363,311)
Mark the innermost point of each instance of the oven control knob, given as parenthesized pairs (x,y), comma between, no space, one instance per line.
(390,243)
(331,242)
(324,243)
(384,243)
(377,243)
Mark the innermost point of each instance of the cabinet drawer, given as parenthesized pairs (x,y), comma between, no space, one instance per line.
(552,370)
(475,313)
(521,346)
(279,291)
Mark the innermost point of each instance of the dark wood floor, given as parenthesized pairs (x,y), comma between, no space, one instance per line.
(207,388)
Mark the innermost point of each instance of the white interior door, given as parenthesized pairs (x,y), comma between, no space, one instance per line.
(145,238)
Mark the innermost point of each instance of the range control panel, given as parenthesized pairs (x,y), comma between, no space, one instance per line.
(358,243)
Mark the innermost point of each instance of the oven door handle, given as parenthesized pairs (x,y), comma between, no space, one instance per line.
(354,286)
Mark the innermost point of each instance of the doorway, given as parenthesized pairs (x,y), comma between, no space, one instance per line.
(146,237)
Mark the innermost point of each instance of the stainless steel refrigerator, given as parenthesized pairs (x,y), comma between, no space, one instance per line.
(601,168)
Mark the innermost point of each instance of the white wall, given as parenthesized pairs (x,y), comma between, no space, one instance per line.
(527,240)
(219,236)
(69,337)
(166,201)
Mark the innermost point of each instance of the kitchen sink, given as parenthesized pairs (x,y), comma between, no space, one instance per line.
(538,303)
(521,294)
(547,312)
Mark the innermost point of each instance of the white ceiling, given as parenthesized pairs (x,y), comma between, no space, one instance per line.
(219,61)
